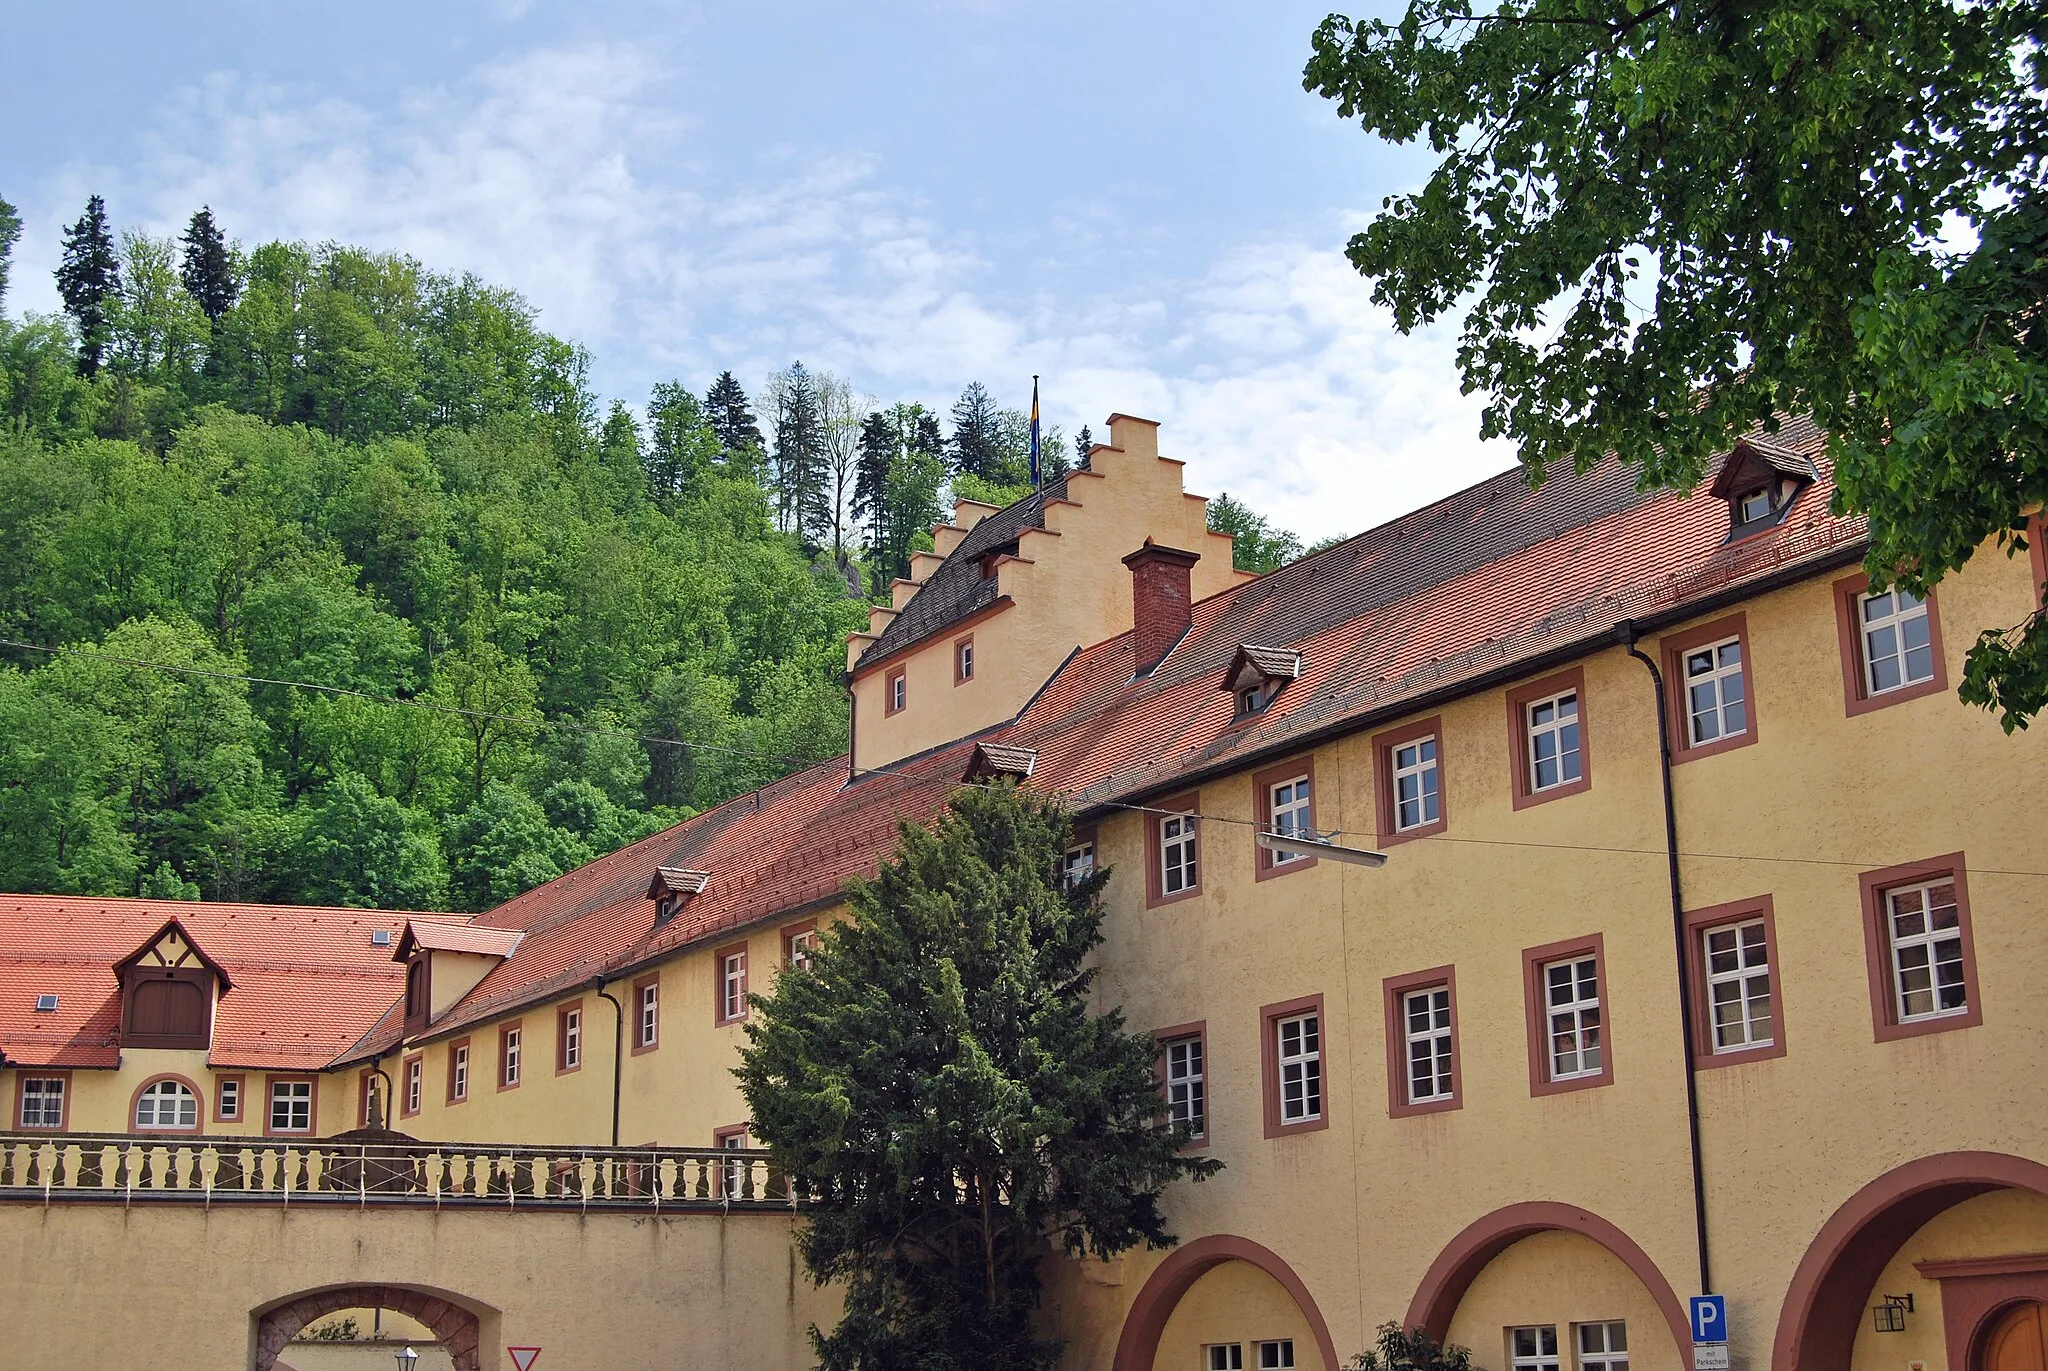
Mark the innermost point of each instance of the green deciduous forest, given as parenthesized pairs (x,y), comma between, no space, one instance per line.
(227,468)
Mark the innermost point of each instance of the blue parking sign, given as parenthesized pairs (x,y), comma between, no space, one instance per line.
(1710,1318)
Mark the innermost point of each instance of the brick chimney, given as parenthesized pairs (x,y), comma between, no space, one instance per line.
(1160,600)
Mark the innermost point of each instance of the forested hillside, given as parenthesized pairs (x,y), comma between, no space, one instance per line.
(540,627)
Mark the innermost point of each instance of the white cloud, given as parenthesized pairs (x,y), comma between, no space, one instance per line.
(578,176)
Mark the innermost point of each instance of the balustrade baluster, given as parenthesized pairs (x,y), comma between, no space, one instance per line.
(304,1183)
(90,1159)
(6,1162)
(35,1157)
(143,1178)
(228,1174)
(57,1165)
(171,1154)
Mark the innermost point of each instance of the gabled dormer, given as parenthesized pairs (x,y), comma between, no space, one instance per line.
(168,988)
(1257,674)
(1760,479)
(992,761)
(444,962)
(673,887)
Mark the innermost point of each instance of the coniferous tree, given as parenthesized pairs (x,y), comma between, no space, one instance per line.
(802,498)
(896,495)
(938,1083)
(10,232)
(208,270)
(731,417)
(977,434)
(1084,443)
(878,446)
(89,279)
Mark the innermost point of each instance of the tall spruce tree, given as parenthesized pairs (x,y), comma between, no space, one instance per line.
(10,233)
(208,269)
(936,1082)
(89,280)
(896,493)
(1084,443)
(799,475)
(731,417)
(878,448)
(977,434)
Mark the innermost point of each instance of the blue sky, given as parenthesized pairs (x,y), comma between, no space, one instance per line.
(1137,201)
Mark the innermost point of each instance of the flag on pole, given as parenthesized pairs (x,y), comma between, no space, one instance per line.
(1034,431)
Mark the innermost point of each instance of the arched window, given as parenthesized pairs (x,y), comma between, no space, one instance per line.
(166,1104)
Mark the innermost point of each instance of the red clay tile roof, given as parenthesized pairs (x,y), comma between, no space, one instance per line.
(307,981)
(440,936)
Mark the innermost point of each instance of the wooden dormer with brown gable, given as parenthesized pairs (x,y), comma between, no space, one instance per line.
(168,989)
(1761,480)
(443,963)
(1006,594)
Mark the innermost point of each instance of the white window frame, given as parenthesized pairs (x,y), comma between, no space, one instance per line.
(1077,864)
(1577,1017)
(458,1085)
(1287,809)
(1715,679)
(1738,974)
(1569,761)
(415,1084)
(899,692)
(48,1102)
(1179,859)
(228,1100)
(1300,1067)
(1895,619)
(1431,1042)
(1742,505)
(1276,1354)
(734,1178)
(572,1039)
(801,946)
(1530,1354)
(1941,947)
(1187,1083)
(176,1092)
(510,1051)
(648,1027)
(1601,1345)
(291,1094)
(1419,772)
(963,665)
(732,986)
(1223,1356)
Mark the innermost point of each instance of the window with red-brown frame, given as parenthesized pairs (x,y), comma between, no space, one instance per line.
(42,1100)
(1408,785)
(799,941)
(895,691)
(729,983)
(230,1098)
(569,1037)
(736,1182)
(511,1054)
(412,1085)
(165,1104)
(366,1095)
(1570,1023)
(1286,799)
(1077,863)
(1547,738)
(1292,1052)
(963,660)
(1921,958)
(1710,688)
(459,1071)
(1423,1070)
(1173,855)
(1183,1070)
(1890,645)
(646,1014)
(1738,1009)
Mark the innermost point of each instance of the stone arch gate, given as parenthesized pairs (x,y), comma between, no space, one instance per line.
(456,1322)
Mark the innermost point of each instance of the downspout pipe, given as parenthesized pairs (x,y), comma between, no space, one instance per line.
(597,986)
(1627,634)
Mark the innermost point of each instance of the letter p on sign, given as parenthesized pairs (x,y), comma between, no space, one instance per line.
(1710,1318)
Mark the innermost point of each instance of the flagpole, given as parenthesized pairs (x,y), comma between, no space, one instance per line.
(1037,466)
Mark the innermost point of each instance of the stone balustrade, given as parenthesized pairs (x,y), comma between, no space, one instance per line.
(132,1168)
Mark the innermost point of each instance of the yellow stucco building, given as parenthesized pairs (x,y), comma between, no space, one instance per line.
(1705,956)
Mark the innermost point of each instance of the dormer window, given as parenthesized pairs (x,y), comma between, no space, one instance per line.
(416,993)
(167,991)
(1760,479)
(672,888)
(1257,675)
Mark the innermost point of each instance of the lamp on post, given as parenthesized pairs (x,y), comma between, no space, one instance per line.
(406,1359)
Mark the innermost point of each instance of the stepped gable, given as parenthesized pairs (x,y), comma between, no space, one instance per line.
(769,853)
(1494,576)
(307,981)
(956,587)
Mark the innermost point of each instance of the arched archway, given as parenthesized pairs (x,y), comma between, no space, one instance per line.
(1465,1256)
(1139,1342)
(1824,1304)
(453,1321)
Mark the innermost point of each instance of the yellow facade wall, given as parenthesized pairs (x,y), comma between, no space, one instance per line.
(2001,1222)
(1562,1280)
(103,1100)
(1232,1303)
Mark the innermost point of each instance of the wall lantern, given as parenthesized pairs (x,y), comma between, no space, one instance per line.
(406,1359)
(1890,1317)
